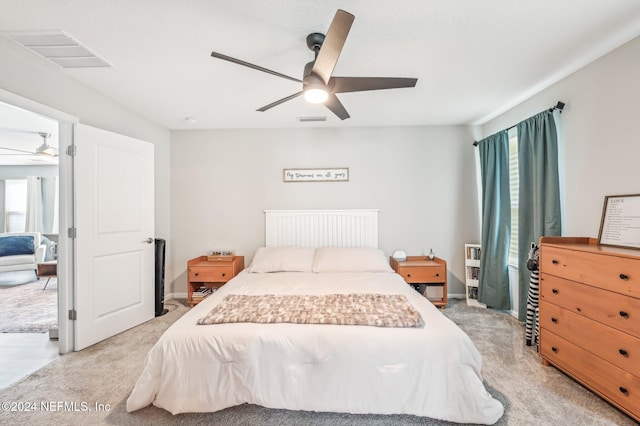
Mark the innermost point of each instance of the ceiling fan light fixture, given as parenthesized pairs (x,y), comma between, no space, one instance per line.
(46,150)
(316,95)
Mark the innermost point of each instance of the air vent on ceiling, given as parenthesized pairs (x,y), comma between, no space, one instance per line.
(58,47)
(312,118)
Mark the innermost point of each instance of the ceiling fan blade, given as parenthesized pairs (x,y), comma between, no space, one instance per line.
(255,67)
(361,84)
(332,45)
(336,107)
(16,150)
(276,103)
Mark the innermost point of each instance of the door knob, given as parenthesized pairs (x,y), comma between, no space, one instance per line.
(148,240)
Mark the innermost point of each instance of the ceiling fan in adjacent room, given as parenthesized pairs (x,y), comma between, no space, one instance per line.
(43,150)
(318,83)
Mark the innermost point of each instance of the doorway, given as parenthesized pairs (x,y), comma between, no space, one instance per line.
(29,217)
(27,130)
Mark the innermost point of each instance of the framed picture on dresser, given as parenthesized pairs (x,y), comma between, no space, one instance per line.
(620,223)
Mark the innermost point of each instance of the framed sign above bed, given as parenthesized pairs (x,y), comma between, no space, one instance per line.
(316,175)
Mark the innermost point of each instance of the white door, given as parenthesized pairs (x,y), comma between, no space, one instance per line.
(114,246)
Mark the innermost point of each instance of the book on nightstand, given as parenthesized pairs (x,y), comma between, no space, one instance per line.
(201,293)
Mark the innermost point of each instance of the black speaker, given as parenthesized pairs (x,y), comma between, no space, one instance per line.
(160,260)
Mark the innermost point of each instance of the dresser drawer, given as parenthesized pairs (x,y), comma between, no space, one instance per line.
(612,309)
(611,382)
(619,274)
(616,347)
(210,274)
(420,274)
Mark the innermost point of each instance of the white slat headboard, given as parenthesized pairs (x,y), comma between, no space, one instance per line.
(321,228)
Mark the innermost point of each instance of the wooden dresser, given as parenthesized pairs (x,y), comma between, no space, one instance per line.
(590,316)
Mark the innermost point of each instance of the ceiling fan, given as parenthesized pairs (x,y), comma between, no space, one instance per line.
(318,83)
(43,150)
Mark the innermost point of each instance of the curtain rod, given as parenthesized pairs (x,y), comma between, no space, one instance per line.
(559,106)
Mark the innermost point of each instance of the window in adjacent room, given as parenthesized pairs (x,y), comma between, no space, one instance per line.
(15,202)
(514,187)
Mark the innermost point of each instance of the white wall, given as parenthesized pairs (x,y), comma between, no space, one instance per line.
(421,178)
(31,77)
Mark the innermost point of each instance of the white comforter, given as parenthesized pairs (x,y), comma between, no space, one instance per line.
(432,371)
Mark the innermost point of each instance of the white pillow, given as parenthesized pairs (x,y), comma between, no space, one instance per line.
(282,259)
(350,259)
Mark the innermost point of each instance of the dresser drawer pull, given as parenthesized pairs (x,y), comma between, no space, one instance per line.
(223,274)
(623,314)
(554,291)
(624,277)
(408,275)
(555,262)
(437,275)
(623,390)
(196,274)
(623,352)
(554,349)
(554,320)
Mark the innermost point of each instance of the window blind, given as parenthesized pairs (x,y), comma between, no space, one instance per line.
(514,187)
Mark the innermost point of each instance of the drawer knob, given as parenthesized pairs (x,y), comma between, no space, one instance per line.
(623,390)
(554,349)
(555,262)
(624,277)
(623,314)
(408,275)
(437,275)
(223,274)
(554,320)
(554,291)
(623,352)
(196,274)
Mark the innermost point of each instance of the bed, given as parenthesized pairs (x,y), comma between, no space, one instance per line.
(429,368)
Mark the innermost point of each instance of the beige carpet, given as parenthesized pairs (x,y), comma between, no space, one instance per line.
(27,308)
(105,373)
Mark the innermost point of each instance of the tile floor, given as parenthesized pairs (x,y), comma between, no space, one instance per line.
(23,353)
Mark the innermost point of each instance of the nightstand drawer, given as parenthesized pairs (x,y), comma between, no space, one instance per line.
(203,272)
(432,274)
(423,270)
(210,274)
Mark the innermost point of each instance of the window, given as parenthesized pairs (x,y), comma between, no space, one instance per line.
(514,187)
(15,205)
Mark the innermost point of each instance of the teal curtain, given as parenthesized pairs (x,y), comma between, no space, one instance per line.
(539,204)
(493,287)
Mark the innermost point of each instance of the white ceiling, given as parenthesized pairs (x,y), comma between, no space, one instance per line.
(473,58)
(19,130)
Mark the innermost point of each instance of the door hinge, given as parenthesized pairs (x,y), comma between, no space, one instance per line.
(71,150)
(73,314)
(72,232)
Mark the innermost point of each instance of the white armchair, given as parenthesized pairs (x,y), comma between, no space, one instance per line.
(23,262)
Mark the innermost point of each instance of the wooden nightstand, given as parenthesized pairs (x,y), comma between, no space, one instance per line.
(422,270)
(211,273)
